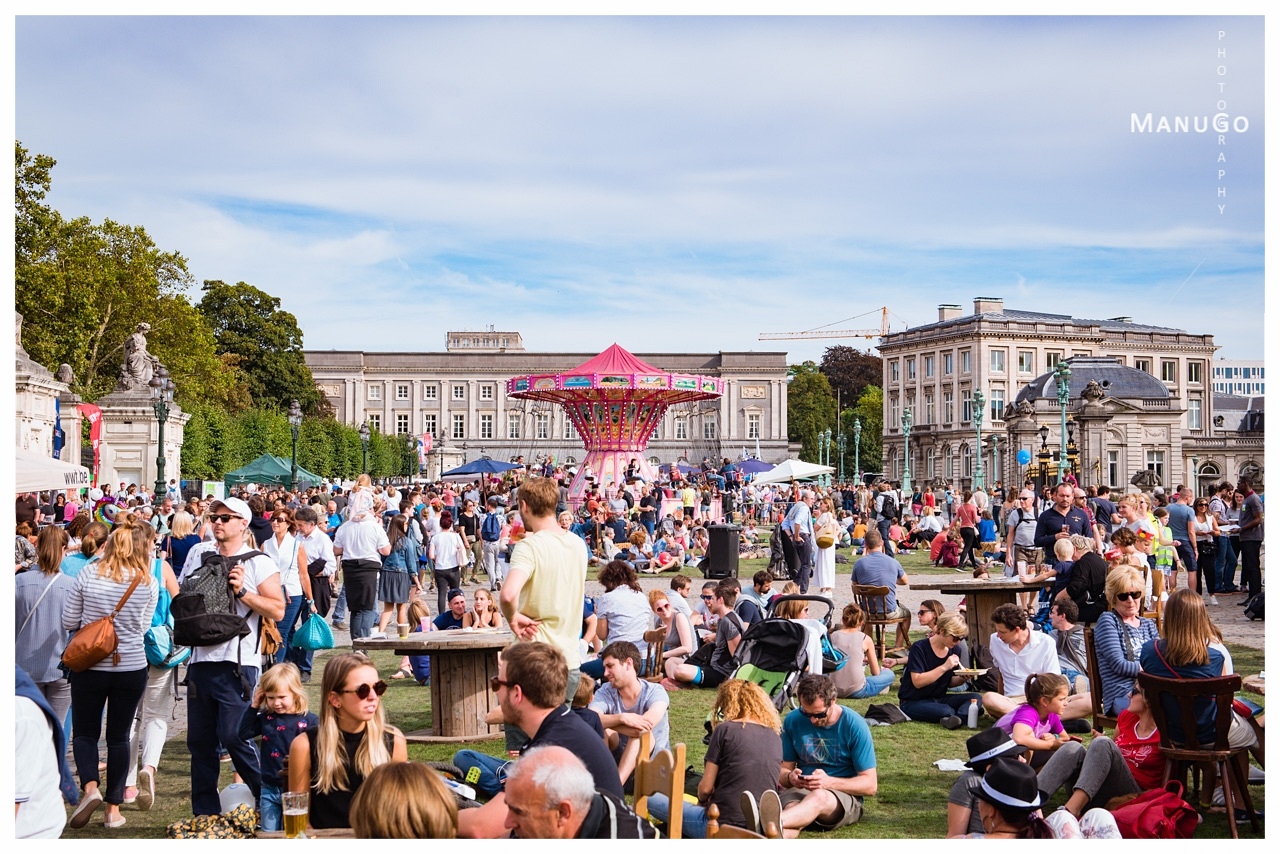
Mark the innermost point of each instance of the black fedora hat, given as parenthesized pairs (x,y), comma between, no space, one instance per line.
(990,744)
(1010,784)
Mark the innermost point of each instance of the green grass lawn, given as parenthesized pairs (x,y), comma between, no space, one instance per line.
(911,802)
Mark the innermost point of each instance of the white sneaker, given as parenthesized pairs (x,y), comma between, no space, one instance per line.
(1212,600)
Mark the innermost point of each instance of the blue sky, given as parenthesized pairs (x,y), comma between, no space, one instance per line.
(667,183)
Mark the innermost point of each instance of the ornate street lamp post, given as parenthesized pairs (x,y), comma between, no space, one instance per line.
(1044,457)
(857,448)
(1073,450)
(840,447)
(979,476)
(906,450)
(162,389)
(824,455)
(295,422)
(997,470)
(364,446)
(1062,374)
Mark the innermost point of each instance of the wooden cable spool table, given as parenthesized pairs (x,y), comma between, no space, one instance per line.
(462,662)
(981,599)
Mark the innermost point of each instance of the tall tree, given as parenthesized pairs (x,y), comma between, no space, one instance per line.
(850,371)
(811,408)
(869,410)
(249,323)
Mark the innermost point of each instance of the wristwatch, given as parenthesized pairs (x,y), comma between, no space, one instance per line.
(240,593)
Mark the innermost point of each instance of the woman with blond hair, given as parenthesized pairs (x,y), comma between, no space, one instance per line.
(1119,636)
(40,597)
(404,800)
(743,759)
(182,536)
(681,640)
(118,681)
(353,739)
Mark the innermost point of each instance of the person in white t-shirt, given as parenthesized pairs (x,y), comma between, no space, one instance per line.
(1019,652)
(39,813)
(221,677)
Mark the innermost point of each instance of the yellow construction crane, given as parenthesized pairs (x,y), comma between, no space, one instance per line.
(824,332)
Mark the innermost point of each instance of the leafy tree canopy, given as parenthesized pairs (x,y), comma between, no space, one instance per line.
(849,371)
(811,408)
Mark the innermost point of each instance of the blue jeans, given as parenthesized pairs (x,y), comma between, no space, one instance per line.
(215,705)
(932,711)
(340,607)
(876,682)
(286,626)
(593,667)
(883,526)
(362,623)
(493,770)
(694,817)
(1225,563)
(270,809)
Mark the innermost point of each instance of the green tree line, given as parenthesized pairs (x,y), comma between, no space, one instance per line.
(812,405)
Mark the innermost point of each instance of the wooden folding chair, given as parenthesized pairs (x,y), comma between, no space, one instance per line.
(654,640)
(661,773)
(1101,721)
(873,601)
(1230,765)
(716,830)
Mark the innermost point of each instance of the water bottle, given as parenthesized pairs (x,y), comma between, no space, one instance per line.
(973,714)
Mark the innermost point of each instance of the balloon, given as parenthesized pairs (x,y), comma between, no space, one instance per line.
(1024,457)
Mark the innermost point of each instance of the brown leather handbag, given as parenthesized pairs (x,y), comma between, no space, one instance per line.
(96,640)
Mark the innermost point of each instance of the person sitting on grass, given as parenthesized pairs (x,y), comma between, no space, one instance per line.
(964,815)
(729,629)
(930,672)
(680,641)
(1009,803)
(828,764)
(1119,636)
(629,706)
(404,800)
(1128,765)
(1019,652)
(1036,724)
(1068,637)
(852,681)
(945,549)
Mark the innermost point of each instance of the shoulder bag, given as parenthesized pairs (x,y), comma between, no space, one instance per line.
(97,640)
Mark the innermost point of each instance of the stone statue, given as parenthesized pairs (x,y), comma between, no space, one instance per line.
(1146,479)
(139,365)
(64,374)
(1025,409)
(1093,392)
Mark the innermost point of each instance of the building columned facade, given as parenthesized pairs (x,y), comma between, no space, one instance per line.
(459,398)
(1151,403)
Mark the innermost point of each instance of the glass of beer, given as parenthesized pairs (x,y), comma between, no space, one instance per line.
(295,806)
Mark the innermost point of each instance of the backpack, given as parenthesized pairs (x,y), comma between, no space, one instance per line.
(491,528)
(832,658)
(1157,814)
(1255,610)
(889,509)
(205,611)
(157,642)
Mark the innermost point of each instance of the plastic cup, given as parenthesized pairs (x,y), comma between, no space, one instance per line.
(295,806)
(402,629)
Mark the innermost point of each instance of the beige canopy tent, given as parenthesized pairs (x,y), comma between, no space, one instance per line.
(35,473)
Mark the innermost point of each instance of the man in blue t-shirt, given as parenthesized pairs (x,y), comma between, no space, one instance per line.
(877,569)
(828,762)
(452,619)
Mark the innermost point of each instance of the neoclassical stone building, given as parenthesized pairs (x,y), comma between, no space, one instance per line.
(459,397)
(1152,403)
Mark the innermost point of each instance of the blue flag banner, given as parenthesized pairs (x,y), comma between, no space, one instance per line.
(59,439)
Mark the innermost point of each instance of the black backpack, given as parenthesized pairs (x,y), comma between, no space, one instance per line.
(204,611)
(889,509)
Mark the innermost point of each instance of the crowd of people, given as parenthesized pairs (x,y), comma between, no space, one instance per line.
(575,693)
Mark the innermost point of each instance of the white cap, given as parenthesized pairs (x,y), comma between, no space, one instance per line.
(234,506)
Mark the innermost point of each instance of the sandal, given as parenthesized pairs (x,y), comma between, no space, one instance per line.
(403,673)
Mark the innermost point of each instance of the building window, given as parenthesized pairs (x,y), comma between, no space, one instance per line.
(708,428)
(966,409)
(948,407)
(570,431)
(428,391)
(893,371)
(966,361)
(911,368)
(1113,468)
(1168,370)
(513,425)
(997,405)
(459,392)
(928,408)
(1026,361)
(1193,373)
(1155,462)
(1194,419)
(997,361)
(1051,360)
(1142,364)
(682,427)
(893,413)
(966,461)
(948,463)
(542,426)
(375,392)
(486,426)
(402,425)
(402,391)
(753,425)
(928,366)
(486,392)
(375,422)
(946,364)
(459,426)
(429,424)
(931,463)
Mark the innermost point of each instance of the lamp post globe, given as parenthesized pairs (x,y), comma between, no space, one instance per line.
(295,422)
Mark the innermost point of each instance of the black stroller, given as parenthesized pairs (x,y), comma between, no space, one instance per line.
(784,560)
(774,653)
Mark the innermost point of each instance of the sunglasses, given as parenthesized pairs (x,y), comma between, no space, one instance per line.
(816,716)
(224,518)
(923,612)
(495,683)
(362,691)
(706,598)
(1125,597)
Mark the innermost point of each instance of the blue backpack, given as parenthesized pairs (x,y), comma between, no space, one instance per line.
(491,528)
(158,643)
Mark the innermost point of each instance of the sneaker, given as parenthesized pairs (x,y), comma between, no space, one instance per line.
(146,789)
(306,676)
(224,756)
(961,569)
(951,722)
(130,794)
(750,811)
(770,810)
(339,624)
(88,806)
(1212,600)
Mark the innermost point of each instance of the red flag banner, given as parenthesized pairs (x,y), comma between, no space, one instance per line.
(94,416)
